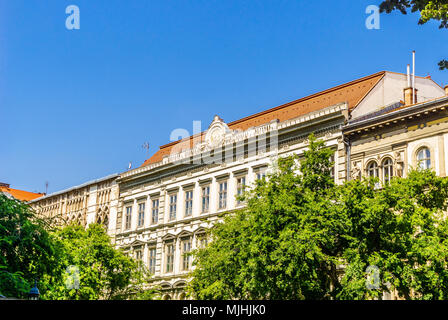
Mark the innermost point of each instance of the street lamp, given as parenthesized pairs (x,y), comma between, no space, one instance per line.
(34,292)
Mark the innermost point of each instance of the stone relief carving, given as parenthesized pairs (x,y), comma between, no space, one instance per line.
(356,170)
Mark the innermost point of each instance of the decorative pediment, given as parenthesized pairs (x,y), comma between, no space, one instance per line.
(136,243)
(216,132)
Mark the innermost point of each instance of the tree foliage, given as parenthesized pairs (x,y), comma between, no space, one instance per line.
(429,10)
(101,271)
(303,237)
(26,249)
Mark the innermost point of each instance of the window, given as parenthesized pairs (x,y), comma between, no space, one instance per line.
(128,218)
(173,206)
(388,170)
(202,240)
(261,173)
(424,158)
(138,256)
(240,185)
(188,203)
(205,199)
(372,169)
(152,260)
(186,248)
(141,214)
(155,211)
(222,195)
(169,256)
(332,169)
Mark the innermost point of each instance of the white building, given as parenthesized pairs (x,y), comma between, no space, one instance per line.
(161,210)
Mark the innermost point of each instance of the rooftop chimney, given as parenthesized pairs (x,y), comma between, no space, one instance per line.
(409,89)
(446,89)
(408,96)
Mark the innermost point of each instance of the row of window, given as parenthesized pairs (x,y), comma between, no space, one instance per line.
(387,166)
(185,249)
(188,208)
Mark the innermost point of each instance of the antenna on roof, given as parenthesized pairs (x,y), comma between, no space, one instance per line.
(130,165)
(46,187)
(146,146)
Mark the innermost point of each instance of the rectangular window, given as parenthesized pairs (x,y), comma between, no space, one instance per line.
(138,254)
(332,169)
(205,199)
(202,240)
(186,248)
(240,185)
(188,203)
(169,257)
(223,195)
(128,218)
(141,214)
(152,260)
(261,172)
(155,211)
(173,206)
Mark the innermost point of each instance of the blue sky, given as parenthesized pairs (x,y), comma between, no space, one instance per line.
(77,105)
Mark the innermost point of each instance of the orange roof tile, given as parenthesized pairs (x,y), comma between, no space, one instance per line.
(352,92)
(20,194)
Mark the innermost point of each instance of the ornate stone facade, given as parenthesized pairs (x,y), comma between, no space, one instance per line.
(94,201)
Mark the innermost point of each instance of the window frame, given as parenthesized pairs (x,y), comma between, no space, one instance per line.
(240,187)
(375,169)
(205,199)
(222,195)
(172,206)
(186,259)
(188,203)
(128,217)
(427,158)
(141,215)
(152,259)
(387,166)
(155,211)
(169,256)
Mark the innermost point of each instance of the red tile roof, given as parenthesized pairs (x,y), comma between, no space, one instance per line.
(20,194)
(352,92)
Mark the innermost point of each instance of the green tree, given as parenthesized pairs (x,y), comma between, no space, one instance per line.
(302,237)
(26,248)
(400,229)
(429,10)
(90,268)
(279,246)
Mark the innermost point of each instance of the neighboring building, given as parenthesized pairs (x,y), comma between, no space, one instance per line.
(390,142)
(19,194)
(161,210)
(94,201)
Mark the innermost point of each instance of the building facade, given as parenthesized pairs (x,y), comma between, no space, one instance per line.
(94,201)
(160,211)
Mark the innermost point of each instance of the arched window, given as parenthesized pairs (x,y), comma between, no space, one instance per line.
(372,169)
(424,158)
(388,170)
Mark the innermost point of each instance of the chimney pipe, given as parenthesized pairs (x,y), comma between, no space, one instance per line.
(414,91)
(446,90)
(409,76)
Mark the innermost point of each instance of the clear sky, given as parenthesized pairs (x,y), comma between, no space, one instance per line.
(77,105)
